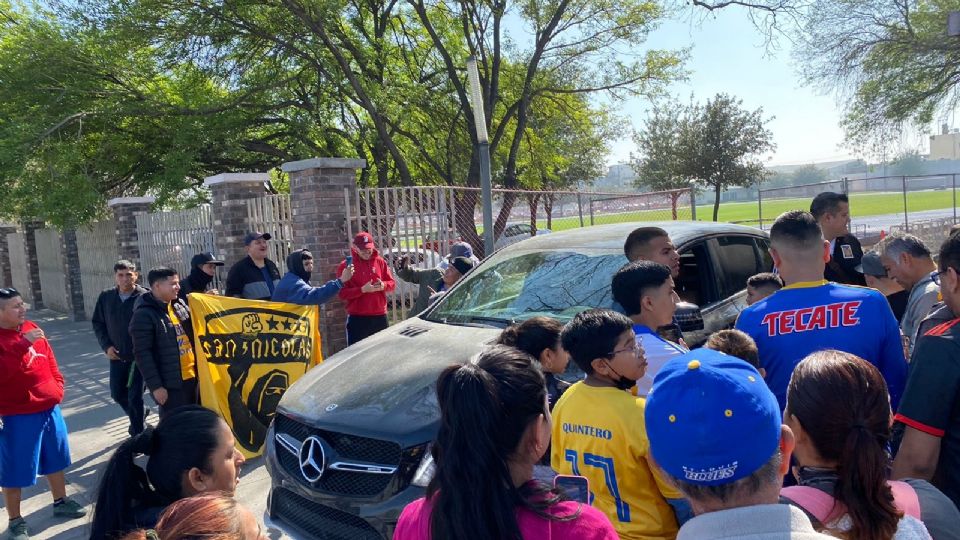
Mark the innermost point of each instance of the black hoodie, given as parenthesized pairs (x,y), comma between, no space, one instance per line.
(197,282)
(155,347)
(295,263)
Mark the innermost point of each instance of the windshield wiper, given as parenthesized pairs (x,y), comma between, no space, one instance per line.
(497,320)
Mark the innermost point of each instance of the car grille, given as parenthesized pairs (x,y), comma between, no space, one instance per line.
(319,521)
(346,447)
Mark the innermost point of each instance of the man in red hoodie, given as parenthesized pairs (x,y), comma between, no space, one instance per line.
(33,436)
(366,292)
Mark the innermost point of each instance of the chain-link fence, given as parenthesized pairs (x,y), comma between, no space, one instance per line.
(876,203)
(423,223)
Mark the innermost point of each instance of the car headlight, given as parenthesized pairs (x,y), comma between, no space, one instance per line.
(426,470)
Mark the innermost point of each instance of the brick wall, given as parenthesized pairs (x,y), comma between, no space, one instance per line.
(33,266)
(6,273)
(71,269)
(125,211)
(230,192)
(319,222)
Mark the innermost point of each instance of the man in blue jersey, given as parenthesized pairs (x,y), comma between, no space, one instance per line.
(645,290)
(810,313)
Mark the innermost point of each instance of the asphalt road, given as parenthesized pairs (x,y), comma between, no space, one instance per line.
(97,426)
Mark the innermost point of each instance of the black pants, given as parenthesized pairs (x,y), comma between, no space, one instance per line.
(127,391)
(176,397)
(190,394)
(363,326)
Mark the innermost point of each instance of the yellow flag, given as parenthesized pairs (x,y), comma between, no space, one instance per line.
(248,353)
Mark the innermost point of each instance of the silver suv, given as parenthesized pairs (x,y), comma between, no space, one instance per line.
(348,448)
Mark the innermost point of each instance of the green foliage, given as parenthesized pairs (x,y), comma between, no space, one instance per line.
(716,145)
(891,62)
(808,174)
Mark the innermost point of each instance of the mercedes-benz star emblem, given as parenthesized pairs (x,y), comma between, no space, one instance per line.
(312,459)
(331,407)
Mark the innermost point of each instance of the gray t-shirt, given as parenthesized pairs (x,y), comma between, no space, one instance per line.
(924,294)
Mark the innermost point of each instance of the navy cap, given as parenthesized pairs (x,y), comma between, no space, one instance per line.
(711,419)
(255,235)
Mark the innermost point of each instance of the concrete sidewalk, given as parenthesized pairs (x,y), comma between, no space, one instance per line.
(97,426)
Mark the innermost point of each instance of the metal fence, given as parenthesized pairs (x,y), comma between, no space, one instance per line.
(272,215)
(424,222)
(173,238)
(53,283)
(884,202)
(16,243)
(97,251)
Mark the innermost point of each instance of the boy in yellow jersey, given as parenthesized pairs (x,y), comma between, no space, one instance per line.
(599,433)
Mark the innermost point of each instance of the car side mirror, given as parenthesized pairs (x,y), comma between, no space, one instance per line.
(689,317)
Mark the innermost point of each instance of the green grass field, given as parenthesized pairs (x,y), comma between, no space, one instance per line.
(861,204)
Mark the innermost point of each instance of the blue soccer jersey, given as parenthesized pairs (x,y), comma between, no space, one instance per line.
(807,317)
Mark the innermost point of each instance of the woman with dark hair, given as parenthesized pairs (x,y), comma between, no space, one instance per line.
(839,411)
(494,426)
(212,516)
(190,451)
(540,338)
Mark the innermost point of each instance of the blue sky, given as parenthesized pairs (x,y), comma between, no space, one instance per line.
(727,54)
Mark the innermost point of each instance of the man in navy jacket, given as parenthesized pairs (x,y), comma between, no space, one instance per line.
(295,287)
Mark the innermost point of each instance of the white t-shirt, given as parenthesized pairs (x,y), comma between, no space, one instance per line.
(658,352)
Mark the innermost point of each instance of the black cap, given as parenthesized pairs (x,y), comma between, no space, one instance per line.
(255,235)
(201,259)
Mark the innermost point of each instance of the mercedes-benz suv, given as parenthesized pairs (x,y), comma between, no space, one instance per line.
(348,448)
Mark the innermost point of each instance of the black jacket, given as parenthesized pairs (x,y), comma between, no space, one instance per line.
(245,280)
(155,347)
(844,260)
(197,282)
(111,320)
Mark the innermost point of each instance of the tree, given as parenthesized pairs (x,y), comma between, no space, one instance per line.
(659,166)
(716,145)
(908,164)
(889,60)
(808,174)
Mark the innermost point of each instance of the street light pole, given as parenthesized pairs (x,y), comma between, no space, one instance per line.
(479,120)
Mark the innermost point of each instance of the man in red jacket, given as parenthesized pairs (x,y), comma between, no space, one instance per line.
(33,436)
(366,292)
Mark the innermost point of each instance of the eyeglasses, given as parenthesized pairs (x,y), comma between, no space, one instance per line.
(633,349)
(935,277)
(8,292)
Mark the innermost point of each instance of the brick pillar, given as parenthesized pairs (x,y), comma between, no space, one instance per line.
(71,271)
(319,223)
(33,265)
(6,273)
(125,212)
(230,192)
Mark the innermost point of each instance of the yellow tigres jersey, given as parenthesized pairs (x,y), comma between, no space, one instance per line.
(599,433)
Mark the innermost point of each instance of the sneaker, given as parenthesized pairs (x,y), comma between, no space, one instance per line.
(18,530)
(69,509)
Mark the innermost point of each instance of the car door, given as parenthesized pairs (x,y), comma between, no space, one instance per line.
(697,284)
(738,257)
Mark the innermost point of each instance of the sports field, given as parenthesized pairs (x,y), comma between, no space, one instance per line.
(861,205)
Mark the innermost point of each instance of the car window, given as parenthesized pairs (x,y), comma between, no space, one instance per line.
(766,260)
(556,284)
(696,283)
(737,256)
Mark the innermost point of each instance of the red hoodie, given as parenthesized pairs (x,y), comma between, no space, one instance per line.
(30,381)
(361,303)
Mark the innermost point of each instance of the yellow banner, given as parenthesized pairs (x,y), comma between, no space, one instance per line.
(248,353)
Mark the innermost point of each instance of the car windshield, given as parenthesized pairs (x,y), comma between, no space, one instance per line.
(522,284)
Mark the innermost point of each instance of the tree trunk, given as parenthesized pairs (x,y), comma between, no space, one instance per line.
(674,197)
(466,203)
(716,201)
(533,199)
(499,224)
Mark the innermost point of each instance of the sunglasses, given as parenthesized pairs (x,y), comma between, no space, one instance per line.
(8,292)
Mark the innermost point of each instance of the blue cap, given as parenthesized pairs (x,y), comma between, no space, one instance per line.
(711,419)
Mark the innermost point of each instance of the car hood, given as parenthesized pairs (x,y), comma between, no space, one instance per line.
(384,386)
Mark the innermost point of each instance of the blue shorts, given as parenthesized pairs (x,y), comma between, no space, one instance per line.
(31,445)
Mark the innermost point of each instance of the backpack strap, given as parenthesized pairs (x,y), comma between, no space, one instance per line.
(905,498)
(817,503)
(824,507)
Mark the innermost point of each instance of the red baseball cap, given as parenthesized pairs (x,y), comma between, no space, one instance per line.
(363,240)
